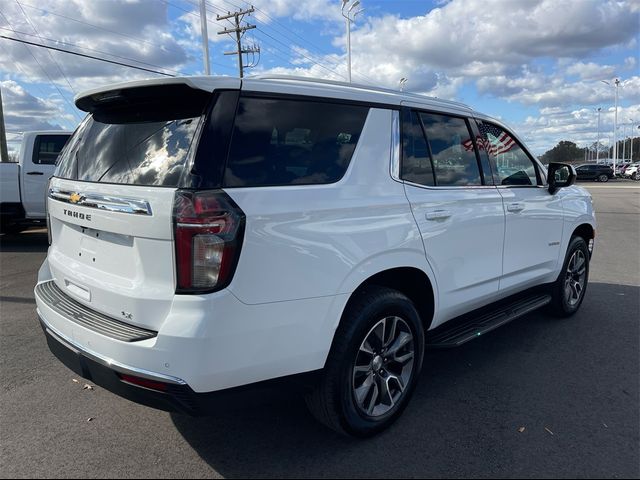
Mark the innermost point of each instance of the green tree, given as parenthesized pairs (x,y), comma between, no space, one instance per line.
(564,151)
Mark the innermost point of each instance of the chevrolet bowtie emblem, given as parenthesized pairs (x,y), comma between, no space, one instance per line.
(75,197)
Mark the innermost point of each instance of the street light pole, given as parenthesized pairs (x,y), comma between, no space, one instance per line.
(615,122)
(205,37)
(598,141)
(624,141)
(615,132)
(349,18)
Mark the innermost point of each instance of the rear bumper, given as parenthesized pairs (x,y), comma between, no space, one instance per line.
(177,396)
(209,343)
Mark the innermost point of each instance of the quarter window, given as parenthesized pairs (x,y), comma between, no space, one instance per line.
(511,163)
(292,142)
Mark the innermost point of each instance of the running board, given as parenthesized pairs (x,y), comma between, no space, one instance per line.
(471,326)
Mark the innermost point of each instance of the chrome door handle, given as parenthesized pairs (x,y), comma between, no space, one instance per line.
(515,207)
(437,215)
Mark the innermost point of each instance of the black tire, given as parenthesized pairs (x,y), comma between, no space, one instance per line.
(603,178)
(333,400)
(561,304)
(635,176)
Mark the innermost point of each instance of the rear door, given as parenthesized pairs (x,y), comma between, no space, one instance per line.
(38,167)
(457,208)
(111,201)
(534,217)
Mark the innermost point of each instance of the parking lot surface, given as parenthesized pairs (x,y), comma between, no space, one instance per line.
(540,397)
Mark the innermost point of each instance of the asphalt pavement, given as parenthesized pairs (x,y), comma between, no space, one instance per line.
(540,397)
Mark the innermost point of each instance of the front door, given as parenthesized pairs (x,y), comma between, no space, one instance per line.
(534,217)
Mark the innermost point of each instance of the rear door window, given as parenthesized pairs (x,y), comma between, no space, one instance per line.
(416,160)
(452,150)
(439,150)
(292,141)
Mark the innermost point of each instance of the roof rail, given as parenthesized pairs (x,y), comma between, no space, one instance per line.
(340,83)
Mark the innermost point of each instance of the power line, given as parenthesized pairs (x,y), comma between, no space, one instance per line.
(239,32)
(315,62)
(91,50)
(191,12)
(86,56)
(133,37)
(50,54)
(22,70)
(300,53)
(330,62)
(64,98)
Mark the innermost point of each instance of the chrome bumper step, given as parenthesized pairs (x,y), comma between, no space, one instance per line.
(64,305)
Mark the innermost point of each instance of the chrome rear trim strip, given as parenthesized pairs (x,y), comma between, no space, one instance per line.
(107,362)
(109,203)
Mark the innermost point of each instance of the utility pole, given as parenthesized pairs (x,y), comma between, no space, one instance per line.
(205,37)
(4,155)
(239,31)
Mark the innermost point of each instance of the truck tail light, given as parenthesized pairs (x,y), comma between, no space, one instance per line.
(208,228)
(46,209)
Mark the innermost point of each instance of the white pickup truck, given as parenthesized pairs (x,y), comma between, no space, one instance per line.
(23,183)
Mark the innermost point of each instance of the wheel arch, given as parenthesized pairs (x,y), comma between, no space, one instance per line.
(586,231)
(410,281)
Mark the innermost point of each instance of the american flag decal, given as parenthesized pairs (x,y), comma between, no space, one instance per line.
(495,140)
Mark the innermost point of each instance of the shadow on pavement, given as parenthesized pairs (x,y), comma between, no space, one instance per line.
(27,241)
(571,383)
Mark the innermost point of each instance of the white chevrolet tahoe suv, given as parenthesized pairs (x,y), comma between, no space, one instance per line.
(213,233)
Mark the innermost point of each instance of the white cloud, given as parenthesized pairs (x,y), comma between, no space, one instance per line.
(591,70)
(145,35)
(306,11)
(23,111)
(578,125)
(468,32)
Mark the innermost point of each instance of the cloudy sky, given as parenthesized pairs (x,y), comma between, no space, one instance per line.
(536,64)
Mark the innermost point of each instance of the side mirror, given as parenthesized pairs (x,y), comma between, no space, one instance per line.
(560,175)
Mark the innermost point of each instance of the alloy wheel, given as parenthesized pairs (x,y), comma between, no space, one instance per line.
(383,367)
(575,278)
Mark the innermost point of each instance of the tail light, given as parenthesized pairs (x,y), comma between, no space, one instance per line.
(46,210)
(209,228)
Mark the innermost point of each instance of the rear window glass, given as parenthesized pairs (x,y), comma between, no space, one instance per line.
(134,143)
(292,142)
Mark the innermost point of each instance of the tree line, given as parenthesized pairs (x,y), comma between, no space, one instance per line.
(568,152)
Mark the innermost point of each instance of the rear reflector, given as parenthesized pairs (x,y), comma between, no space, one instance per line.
(144,382)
